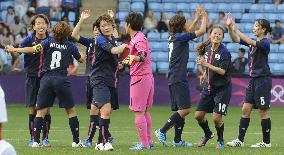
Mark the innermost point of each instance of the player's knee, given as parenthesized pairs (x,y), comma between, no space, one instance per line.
(263,113)
(198,116)
(32,110)
(184,112)
(217,120)
(246,111)
(94,110)
(71,112)
(41,112)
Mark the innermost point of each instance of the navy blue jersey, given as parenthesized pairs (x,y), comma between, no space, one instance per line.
(220,58)
(89,43)
(57,56)
(178,56)
(258,58)
(32,61)
(104,63)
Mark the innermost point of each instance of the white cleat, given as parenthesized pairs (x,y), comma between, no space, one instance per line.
(261,144)
(99,147)
(236,143)
(80,144)
(108,147)
(35,144)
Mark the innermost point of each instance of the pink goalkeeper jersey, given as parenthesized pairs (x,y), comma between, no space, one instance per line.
(139,46)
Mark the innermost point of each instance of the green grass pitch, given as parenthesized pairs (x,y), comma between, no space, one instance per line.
(122,128)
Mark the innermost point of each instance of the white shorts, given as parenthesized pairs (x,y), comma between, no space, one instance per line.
(6,148)
(3,111)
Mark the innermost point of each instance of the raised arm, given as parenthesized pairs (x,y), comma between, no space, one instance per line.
(198,14)
(229,23)
(202,28)
(76,31)
(26,50)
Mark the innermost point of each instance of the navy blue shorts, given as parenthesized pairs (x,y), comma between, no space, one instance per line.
(103,94)
(258,92)
(89,93)
(216,100)
(55,86)
(32,87)
(180,96)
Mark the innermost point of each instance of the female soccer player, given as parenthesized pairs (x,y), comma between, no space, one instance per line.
(142,81)
(56,53)
(39,24)
(258,91)
(179,91)
(103,77)
(216,93)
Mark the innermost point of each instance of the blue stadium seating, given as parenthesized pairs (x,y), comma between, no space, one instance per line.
(164,36)
(256,8)
(274,47)
(154,67)
(281,48)
(154,55)
(226,7)
(238,7)
(274,57)
(153,36)
(163,56)
(269,8)
(233,47)
(265,1)
(137,6)
(190,65)
(280,8)
(155,7)
(121,15)
(162,67)
(210,7)
(124,6)
(169,7)
(183,7)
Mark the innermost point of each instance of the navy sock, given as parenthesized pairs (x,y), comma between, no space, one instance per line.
(244,123)
(103,136)
(220,132)
(178,131)
(46,126)
(37,128)
(174,119)
(266,127)
(94,122)
(31,125)
(205,128)
(74,126)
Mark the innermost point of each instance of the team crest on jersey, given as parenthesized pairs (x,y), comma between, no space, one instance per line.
(217,56)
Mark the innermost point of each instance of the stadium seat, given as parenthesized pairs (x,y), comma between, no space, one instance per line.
(190,65)
(124,0)
(155,7)
(256,8)
(138,7)
(281,16)
(238,7)
(241,26)
(124,6)
(3,14)
(233,47)
(212,16)
(234,55)
(246,18)
(192,6)
(183,7)
(276,68)
(274,47)
(169,7)
(248,27)
(171,14)
(192,56)
(280,8)
(121,15)
(273,57)
(269,8)
(154,55)
(225,7)
(156,46)
(227,38)
(281,48)
(258,16)
(153,36)
(143,1)
(163,67)
(164,46)
(158,15)
(164,36)
(71,16)
(238,15)
(163,56)
(154,67)
(157,1)
(210,7)
(265,1)
(272,17)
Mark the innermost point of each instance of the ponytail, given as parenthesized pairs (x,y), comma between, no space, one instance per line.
(201,47)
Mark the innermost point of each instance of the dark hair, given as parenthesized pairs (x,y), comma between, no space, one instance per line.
(135,20)
(177,24)
(94,25)
(277,21)
(201,47)
(179,12)
(106,18)
(242,50)
(61,31)
(221,13)
(264,24)
(32,23)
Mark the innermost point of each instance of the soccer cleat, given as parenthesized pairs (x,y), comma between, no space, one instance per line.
(182,143)
(111,139)
(236,143)
(30,143)
(162,137)
(46,143)
(87,143)
(261,144)
(139,147)
(220,145)
(99,147)
(204,140)
(35,144)
(108,147)
(80,144)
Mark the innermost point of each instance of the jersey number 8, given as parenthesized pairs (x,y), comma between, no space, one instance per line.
(55,60)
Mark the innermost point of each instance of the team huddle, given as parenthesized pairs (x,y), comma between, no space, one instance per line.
(47,57)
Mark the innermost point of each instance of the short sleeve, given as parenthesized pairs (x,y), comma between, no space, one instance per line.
(140,47)
(242,42)
(41,46)
(185,37)
(103,43)
(26,41)
(75,52)
(85,41)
